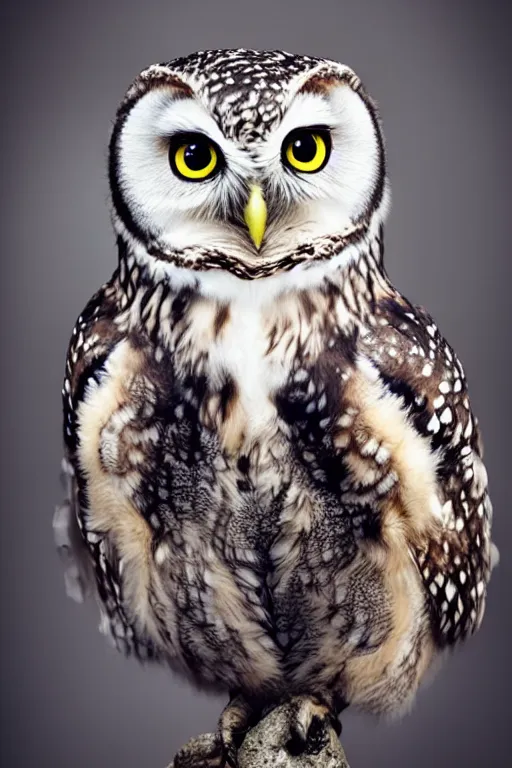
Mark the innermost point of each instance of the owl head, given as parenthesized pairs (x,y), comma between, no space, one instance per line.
(251,162)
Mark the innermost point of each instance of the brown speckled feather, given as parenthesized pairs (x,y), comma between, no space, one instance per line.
(277,477)
(421,368)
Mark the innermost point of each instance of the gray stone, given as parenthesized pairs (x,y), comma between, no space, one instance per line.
(265,746)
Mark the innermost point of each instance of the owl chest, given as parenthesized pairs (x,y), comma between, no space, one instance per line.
(222,447)
(223,382)
(242,363)
(244,416)
(244,369)
(220,434)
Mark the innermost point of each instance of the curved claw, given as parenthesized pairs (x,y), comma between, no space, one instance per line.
(309,729)
(229,756)
(235,721)
(201,752)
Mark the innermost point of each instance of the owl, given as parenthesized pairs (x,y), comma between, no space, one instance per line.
(275,478)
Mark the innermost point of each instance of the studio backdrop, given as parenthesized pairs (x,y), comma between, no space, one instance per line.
(440,74)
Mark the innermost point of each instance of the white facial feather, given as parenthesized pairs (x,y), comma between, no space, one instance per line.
(330,200)
(180,214)
(177,212)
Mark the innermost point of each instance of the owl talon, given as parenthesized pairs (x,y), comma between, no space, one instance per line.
(229,757)
(235,721)
(309,731)
(201,752)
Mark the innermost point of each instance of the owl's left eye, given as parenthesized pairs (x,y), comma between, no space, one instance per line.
(307,149)
(194,157)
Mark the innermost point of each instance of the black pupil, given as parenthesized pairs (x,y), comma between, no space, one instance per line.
(304,148)
(198,155)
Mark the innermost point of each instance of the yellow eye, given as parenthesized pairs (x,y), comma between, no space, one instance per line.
(307,150)
(194,157)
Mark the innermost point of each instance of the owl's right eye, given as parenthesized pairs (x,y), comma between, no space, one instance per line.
(194,157)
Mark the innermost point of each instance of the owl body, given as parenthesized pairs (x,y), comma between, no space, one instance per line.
(277,477)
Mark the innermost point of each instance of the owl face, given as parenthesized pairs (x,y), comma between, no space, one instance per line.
(243,157)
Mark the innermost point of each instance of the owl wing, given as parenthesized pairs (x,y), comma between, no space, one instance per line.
(88,560)
(418,369)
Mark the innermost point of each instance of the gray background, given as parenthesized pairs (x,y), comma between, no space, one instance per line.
(440,72)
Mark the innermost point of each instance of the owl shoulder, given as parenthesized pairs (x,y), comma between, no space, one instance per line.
(94,336)
(418,365)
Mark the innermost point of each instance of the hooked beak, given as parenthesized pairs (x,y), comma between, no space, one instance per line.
(255,215)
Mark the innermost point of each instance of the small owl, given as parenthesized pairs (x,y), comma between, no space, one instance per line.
(276,483)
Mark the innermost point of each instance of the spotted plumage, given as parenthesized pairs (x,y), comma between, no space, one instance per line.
(275,470)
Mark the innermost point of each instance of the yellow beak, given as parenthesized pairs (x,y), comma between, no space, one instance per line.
(255,215)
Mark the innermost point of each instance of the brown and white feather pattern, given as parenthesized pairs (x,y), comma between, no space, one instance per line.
(281,498)
(276,480)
